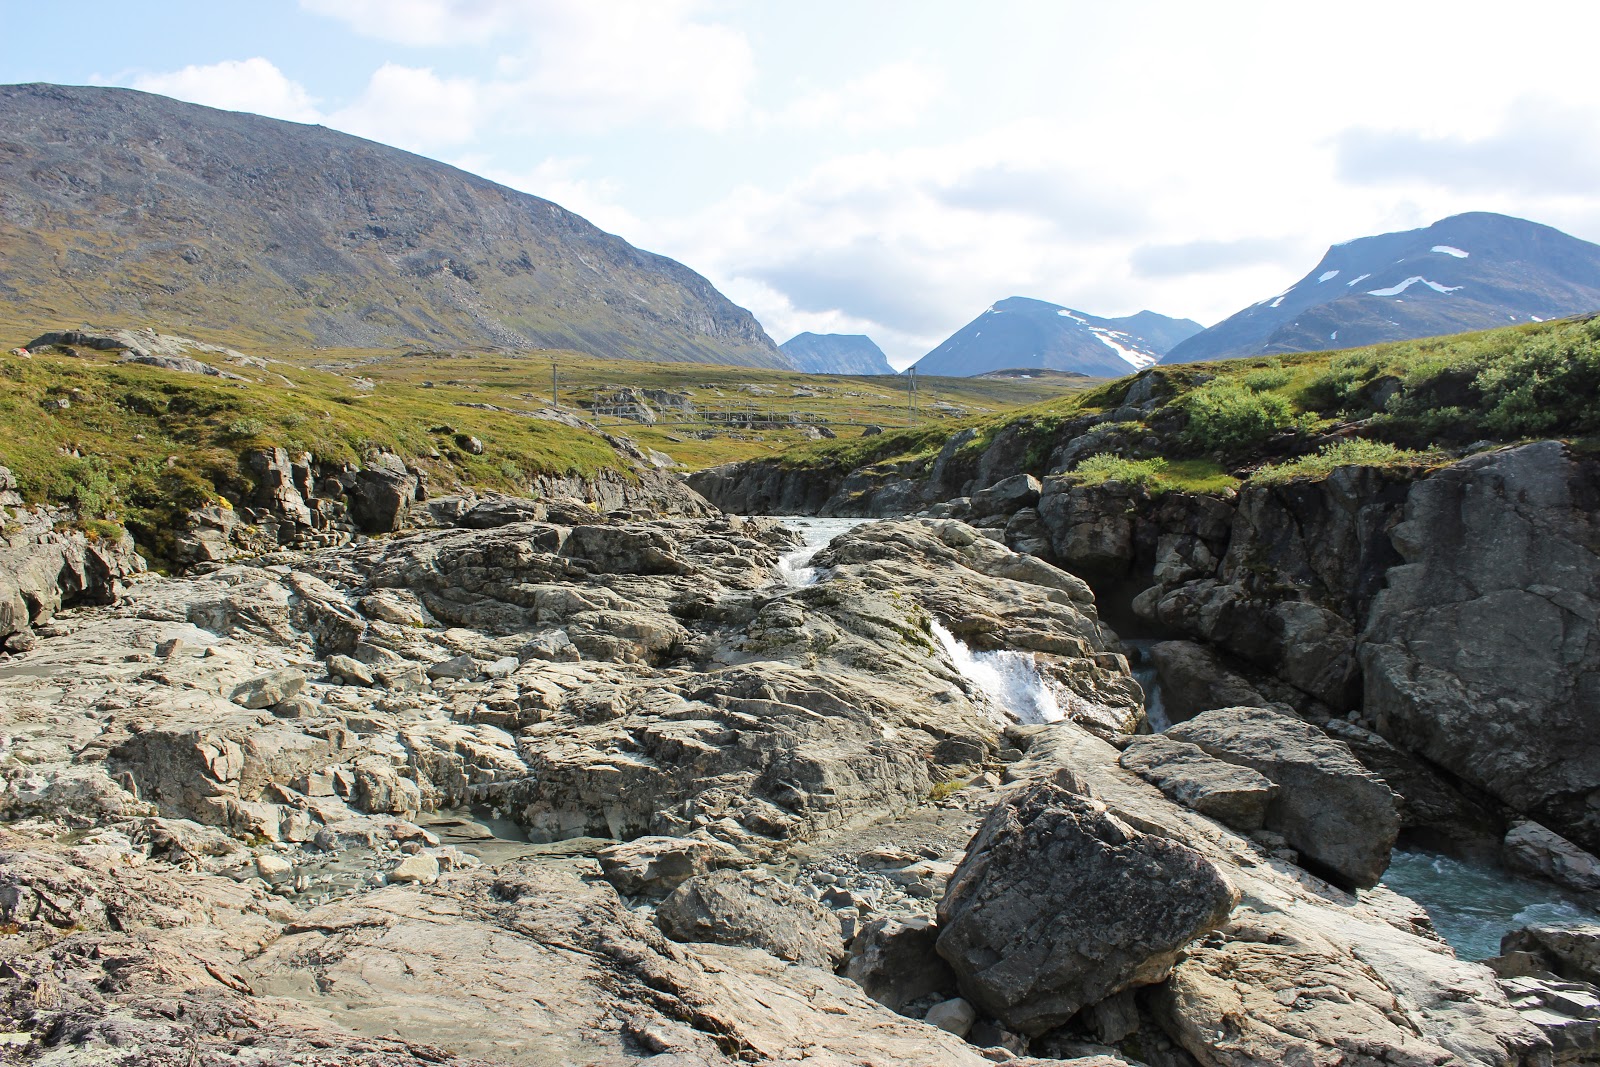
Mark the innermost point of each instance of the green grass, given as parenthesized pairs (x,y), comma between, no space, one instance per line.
(1158,475)
(1215,424)
(1353,453)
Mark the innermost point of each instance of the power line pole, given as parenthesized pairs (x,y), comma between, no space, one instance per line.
(555,384)
(911,396)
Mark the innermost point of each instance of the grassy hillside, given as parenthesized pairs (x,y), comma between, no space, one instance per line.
(1209,426)
(138,445)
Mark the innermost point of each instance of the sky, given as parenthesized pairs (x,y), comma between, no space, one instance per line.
(892,168)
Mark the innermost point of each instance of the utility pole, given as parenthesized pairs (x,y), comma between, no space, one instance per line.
(555,384)
(911,395)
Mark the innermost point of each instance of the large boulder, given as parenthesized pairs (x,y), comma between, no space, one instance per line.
(756,910)
(1231,794)
(1480,655)
(1193,679)
(1059,904)
(1570,952)
(1341,817)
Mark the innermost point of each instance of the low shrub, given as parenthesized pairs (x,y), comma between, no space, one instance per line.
(1356,452)
(1227,416)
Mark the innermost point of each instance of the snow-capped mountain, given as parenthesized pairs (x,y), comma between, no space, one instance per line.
(836,353)
(1019,332)
(1466,272)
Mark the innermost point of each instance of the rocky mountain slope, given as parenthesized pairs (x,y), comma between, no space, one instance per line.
(121,206)
(836,353)
(1019,332)
(1467,272)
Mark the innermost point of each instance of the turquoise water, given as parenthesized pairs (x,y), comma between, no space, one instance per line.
(1473,904)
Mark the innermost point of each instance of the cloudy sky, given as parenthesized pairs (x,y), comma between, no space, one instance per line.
(892,167)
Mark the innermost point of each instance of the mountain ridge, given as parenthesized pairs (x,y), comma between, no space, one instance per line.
(119,205)
(1466,272)
(1023,332)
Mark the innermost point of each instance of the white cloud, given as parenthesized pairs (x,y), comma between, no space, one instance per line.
(894,95)
(414,108)
(575,64)
(254,85)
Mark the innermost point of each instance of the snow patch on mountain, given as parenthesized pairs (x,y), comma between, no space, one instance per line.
(1451,250)
(1396,290)
(1327,275)
(1358,278)
(1136,357)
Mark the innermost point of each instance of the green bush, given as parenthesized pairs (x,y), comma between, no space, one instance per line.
(1226,416)
(1265,379)
(1356,452)
(1105,467)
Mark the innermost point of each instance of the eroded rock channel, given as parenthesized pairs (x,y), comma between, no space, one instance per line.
(611,790)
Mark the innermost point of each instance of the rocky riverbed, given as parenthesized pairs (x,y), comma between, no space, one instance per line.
(606,788)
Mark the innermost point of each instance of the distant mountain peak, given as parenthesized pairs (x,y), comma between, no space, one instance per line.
(1023,332)
(1466,272)
(836,353)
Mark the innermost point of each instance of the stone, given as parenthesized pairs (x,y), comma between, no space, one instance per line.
(754,909)
(1567,1013)
(1269,993)
(655,866)
(1007,496)
(1502,557)
(1059,904)
(553,646)
(1570,952)
(1193,679)
(955,1016)
(265,690)
(1340,817)
(456,667)
(274,869)
(419,867)
(1539,850)
(350,671)
(1229,793)
(895,961)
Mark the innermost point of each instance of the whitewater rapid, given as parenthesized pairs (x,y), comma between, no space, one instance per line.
(1010,679)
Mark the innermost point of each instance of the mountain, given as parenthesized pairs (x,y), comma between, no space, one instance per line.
(121,206)
(836,353)
(1466,272)
(1019,332)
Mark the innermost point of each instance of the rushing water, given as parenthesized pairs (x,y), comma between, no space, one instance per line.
(1009,679)
(795,565)
(1473,904)
(1144,672)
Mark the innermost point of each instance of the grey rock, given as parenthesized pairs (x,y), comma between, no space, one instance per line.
(1007,496)
(1570,952)
(955,1016)
(1502,556)
(1059,904)
(894,960)
(655,866)
(1229,793)
(1193,679)
(1539,850)
(350,670)
(754,909)
(463,666)
(265,690)
(1340,817)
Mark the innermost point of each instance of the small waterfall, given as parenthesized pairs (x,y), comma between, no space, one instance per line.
(1144,672)
(794,566)
(1008,678)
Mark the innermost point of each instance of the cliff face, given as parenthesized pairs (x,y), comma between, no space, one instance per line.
(117,205)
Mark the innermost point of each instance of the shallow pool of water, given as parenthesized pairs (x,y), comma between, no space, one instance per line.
(1474,904)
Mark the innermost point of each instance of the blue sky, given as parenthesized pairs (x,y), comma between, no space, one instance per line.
(893,168)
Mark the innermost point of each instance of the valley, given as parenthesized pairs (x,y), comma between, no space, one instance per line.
(436,631)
